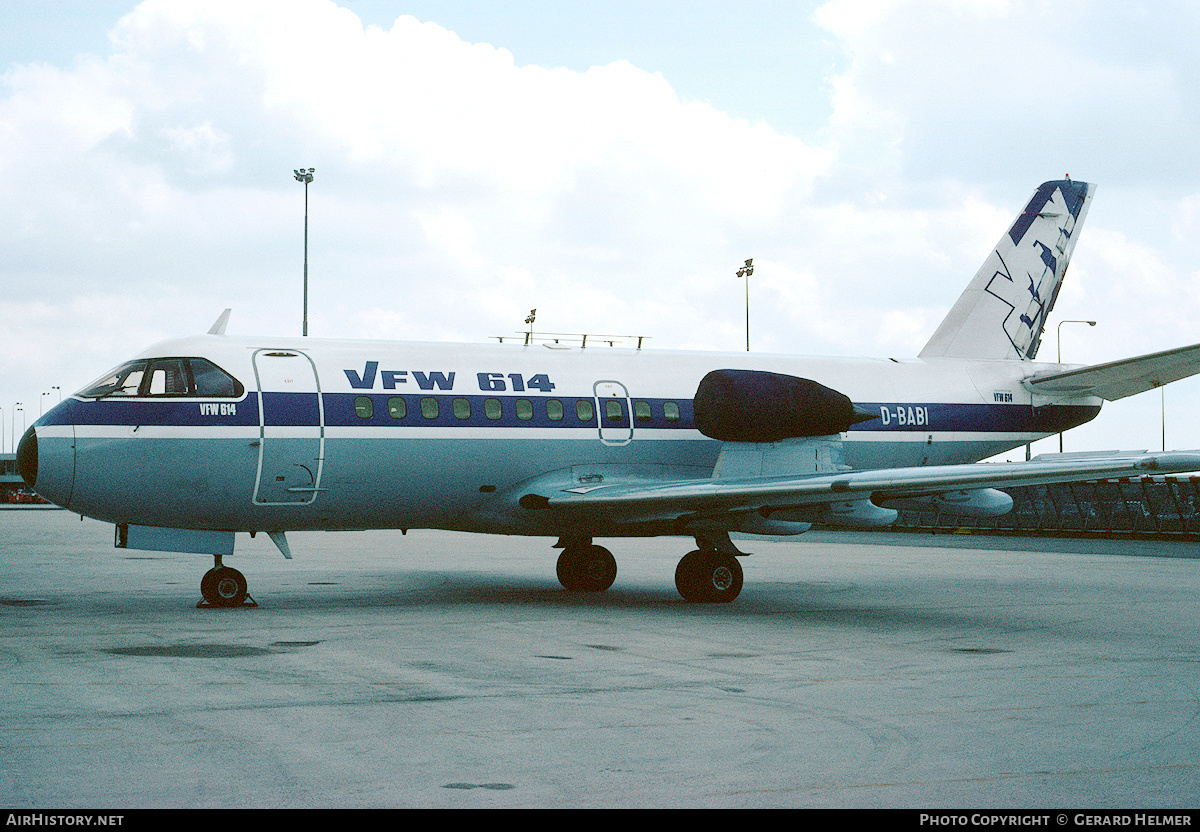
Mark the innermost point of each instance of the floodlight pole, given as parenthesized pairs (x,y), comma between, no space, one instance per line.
(529,319)
(1060,323)
(13,438)
(745,271)
(1162,392)
(306,176)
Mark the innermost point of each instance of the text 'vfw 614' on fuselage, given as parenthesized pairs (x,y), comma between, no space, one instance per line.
(198,439)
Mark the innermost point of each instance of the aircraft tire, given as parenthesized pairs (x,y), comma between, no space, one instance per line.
(586,568)
(223,586)
(708,577)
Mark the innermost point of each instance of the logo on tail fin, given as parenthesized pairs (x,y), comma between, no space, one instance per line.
(1004,309)
(1032,297)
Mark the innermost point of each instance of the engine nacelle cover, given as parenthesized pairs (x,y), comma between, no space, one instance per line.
(975,502)
(757,406)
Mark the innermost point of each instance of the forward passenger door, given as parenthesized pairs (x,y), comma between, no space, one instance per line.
(291,428)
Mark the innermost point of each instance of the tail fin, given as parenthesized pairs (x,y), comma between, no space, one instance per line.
(1004,309)
(222,321)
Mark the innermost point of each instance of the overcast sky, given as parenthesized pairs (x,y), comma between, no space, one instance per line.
(609,163)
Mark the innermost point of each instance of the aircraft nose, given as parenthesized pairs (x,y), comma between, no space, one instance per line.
(27,457)
(46,459)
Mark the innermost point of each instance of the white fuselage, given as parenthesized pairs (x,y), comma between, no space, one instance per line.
(358,434)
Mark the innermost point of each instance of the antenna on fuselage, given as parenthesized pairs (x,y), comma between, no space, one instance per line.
(218,327)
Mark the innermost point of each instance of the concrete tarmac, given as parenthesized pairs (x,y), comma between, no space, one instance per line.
(450,670)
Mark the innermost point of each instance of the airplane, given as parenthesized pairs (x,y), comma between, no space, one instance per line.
(198,439)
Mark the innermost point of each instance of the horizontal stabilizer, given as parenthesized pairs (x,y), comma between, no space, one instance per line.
(1118,379)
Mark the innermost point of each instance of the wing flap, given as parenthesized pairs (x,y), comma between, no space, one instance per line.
(1118,379)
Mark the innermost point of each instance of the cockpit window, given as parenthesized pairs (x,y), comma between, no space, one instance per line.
(175,377)
(123,381)
(167,378)
(213,382)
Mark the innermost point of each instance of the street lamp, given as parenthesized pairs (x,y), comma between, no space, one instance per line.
(13,433)
(1162,394)
(1060,323)
(745,271)
(305,175)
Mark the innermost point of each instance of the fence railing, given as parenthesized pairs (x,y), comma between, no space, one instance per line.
(1162,506)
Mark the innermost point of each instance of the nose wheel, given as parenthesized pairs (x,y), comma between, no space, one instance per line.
(224,586)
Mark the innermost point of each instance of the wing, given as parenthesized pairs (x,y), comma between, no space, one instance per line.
(627,497)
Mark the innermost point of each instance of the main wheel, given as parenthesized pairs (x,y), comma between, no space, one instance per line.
(223,586)
(586,568)
(708,577)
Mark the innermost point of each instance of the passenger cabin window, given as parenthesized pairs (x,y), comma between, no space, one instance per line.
(671,411)
(584,411)
(554,410)
(397,408)
(192,377)
(641,411)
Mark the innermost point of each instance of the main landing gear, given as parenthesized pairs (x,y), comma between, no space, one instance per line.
(224,586)
(584,567)
(709,575)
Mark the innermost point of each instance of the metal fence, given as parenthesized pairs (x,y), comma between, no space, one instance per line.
(1159,506)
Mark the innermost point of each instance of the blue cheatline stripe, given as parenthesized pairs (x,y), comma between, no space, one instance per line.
(975,418)
(158,412)
(291,409)
(352,410)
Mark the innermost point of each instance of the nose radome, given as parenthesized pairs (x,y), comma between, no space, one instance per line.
(46,455)
(27,457)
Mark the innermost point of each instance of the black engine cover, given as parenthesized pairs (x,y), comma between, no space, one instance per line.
(757,406)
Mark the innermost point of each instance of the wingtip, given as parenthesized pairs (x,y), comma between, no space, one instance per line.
(1172,462)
